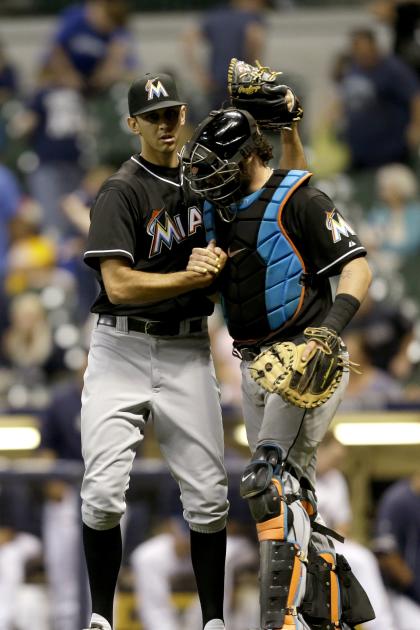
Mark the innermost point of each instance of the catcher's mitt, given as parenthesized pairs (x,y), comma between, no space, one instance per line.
(258,90)
(280,369)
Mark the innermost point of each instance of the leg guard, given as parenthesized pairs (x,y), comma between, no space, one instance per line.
(282,570)
(333,596)
(322,604)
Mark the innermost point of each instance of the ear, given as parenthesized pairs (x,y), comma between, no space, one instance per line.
(183,115)
(133,125)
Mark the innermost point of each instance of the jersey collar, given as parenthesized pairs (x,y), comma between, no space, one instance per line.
(159,171)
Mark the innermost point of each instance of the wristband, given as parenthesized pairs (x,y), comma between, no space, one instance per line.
(342,311)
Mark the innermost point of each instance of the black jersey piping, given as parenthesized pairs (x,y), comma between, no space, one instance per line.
(351,251)
(168,181)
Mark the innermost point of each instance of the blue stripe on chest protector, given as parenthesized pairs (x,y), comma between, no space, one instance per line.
(284,269)
(208,219)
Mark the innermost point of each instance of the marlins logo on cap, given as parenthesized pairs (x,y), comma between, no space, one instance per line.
(152,91)
(154,87)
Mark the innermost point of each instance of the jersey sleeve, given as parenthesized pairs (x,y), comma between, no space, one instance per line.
(328,240)
(112,230)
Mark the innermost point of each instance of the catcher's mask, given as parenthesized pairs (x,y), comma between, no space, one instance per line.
(211,159)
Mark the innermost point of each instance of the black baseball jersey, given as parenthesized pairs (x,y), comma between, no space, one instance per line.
(324,240)
(142,213)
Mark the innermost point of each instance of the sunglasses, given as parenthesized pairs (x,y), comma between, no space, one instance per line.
(169,115)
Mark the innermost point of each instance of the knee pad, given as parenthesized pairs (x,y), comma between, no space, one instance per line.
(263,489)
(333,594)
(97,519)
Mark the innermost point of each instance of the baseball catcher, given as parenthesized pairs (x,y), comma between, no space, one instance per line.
(284,239)
(259,90)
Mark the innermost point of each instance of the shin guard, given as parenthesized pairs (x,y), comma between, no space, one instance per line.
(280,578)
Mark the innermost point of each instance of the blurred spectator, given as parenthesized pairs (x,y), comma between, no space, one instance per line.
(379,98)
(334,507)
(60,439)
(92,49)
(387,328)
(10,198)
(54,122)
(17,549)
(372,388)
(403,16)
(76,207)
(31,254)
(8,77)
(392,228)
(29,356)
(237,30)
(33,264)
(397,544)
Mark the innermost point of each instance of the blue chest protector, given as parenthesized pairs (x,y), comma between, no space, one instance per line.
(268,283)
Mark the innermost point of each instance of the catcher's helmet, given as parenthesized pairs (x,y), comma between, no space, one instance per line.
(211,158)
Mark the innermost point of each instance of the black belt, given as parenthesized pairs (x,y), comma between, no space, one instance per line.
(247,354)
(157,328)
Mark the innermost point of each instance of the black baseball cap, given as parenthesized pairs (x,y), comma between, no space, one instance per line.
(152,91)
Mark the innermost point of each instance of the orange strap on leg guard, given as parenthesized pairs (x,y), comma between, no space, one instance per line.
(275,528)
(335,603)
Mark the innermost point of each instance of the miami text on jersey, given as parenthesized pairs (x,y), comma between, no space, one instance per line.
(337,225)
(164,229)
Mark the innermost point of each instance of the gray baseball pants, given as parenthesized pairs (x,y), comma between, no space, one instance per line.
(131,379)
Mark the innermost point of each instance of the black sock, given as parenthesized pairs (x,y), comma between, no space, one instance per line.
(103,552)
(208,555)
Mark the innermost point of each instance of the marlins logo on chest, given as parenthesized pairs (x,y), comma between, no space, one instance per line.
(165,229)
(337,225)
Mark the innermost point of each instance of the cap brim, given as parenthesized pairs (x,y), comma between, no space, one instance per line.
(160,105)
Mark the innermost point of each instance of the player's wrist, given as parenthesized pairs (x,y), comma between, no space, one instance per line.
(341,313)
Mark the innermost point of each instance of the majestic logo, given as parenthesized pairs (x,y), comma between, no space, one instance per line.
(337,225)
(154,87)
(165,229)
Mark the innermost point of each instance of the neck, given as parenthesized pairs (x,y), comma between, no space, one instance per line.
(260,176)
(170,160)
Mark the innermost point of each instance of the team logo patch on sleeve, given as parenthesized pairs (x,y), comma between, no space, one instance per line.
(337,225)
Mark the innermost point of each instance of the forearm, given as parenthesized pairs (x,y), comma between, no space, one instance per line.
(292,153)
(396,569)
(112,67)
(125,285)
(355,279)
(352,288)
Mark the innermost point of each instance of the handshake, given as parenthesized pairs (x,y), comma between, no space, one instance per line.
(206,263)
